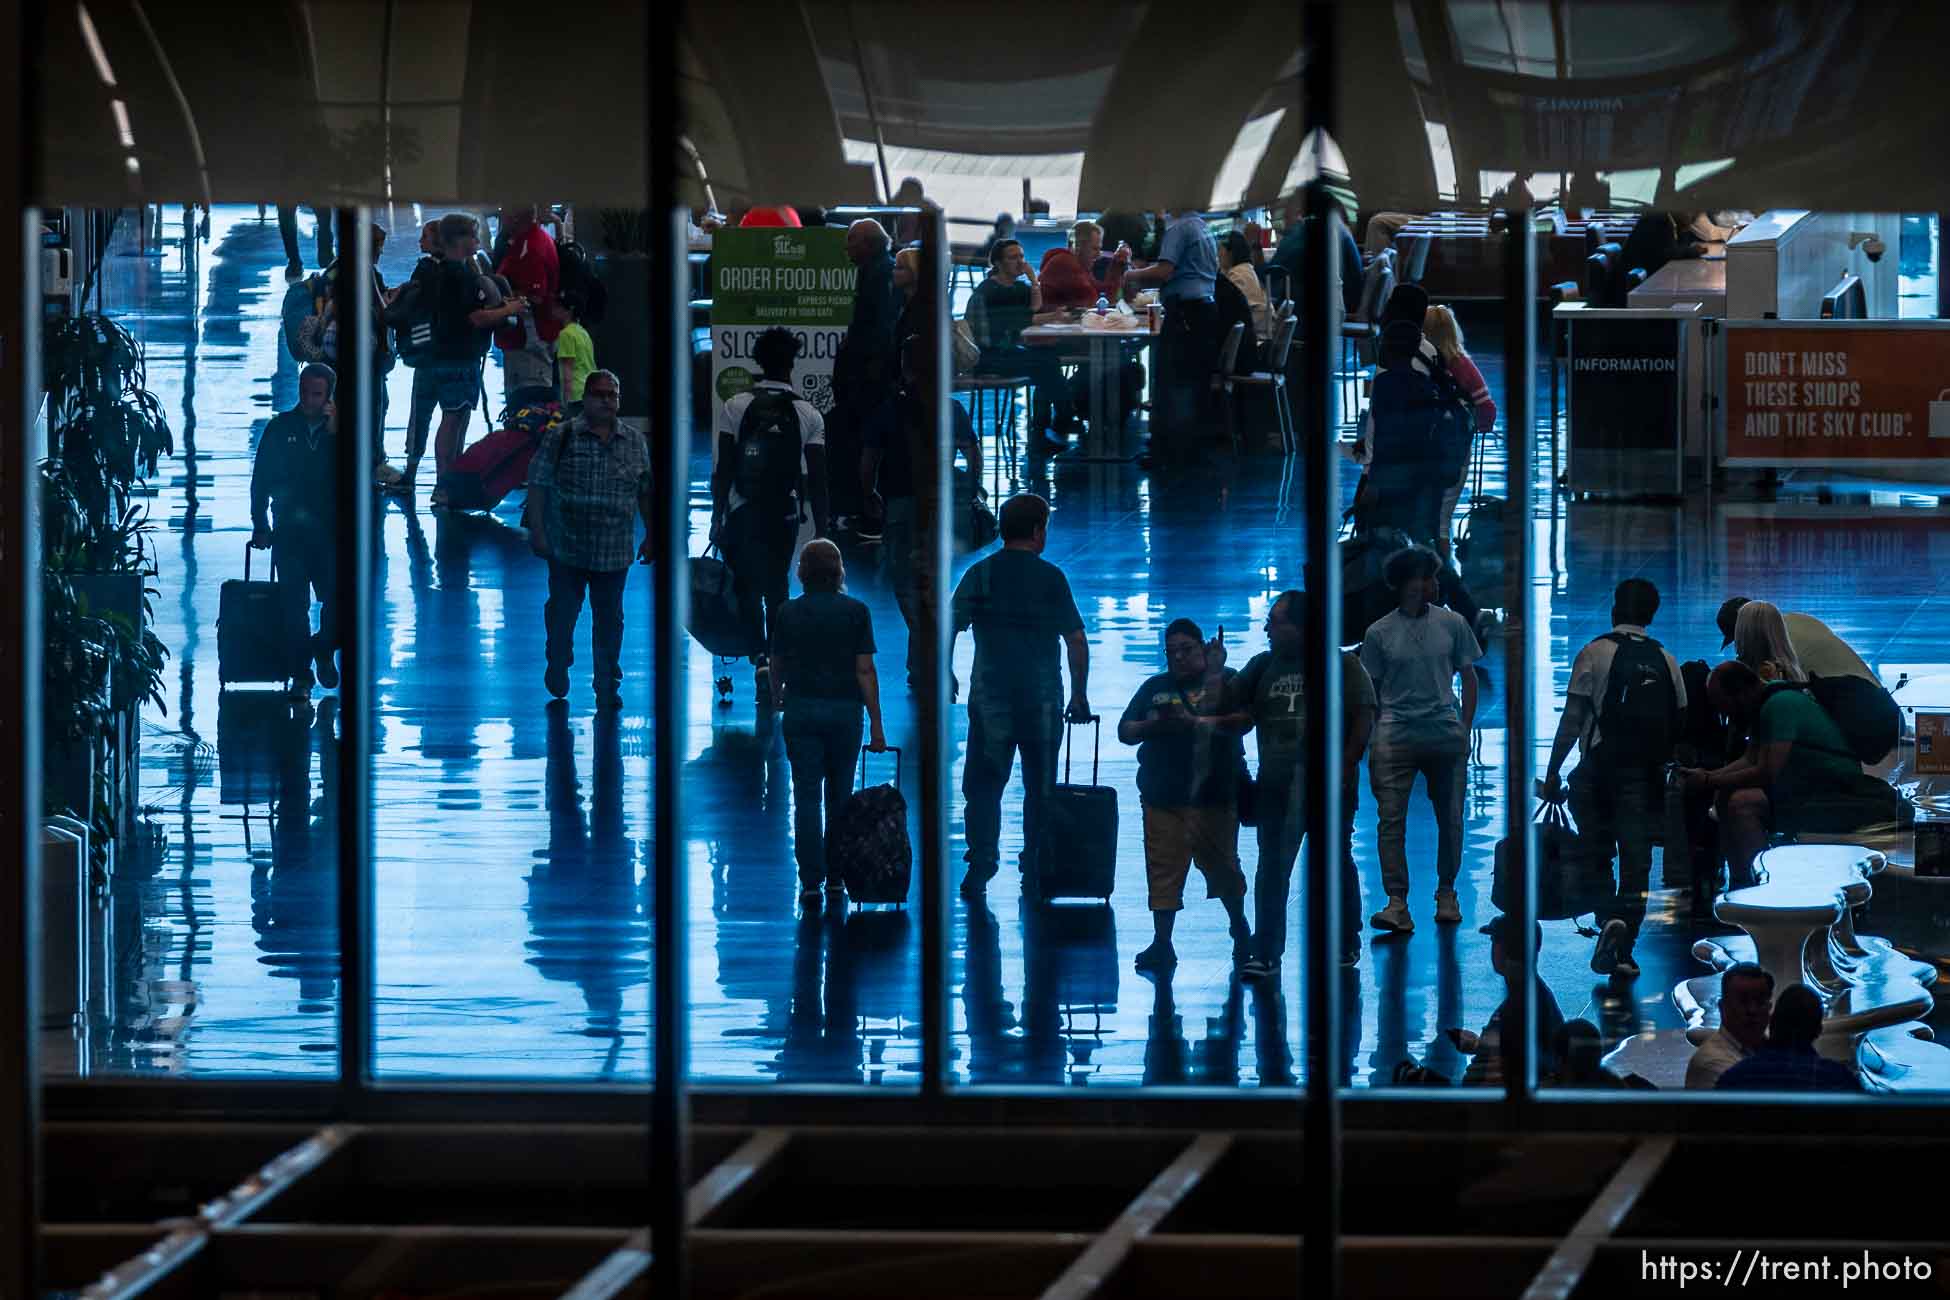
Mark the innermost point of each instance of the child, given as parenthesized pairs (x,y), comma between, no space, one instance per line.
(1440,328)
(575,351)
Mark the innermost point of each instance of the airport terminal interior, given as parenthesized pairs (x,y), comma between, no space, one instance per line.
(1621,397)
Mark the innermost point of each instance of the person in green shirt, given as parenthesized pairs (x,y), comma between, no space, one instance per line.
(575,351)
(1798,774)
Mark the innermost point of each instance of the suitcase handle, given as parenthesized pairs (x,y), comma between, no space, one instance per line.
(247,563)
(895,750)
(1095,721)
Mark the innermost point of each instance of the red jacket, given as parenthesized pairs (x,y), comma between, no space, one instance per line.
(533,269)
(1067,283)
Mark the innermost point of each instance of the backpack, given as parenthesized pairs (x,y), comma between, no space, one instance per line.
(1870,720)
(768,472)
(579,282)
(1418,417)
(1638,718)
(411,318)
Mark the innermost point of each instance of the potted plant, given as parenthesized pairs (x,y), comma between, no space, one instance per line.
(106,433)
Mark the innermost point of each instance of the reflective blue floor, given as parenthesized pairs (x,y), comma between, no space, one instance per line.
(512,836)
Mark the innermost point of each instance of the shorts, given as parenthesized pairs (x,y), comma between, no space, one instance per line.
(1175,838)
(456,384)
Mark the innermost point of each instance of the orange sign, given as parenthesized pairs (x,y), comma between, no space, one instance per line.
(1836,393)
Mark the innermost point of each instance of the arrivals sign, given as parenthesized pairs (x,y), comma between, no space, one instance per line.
(771,276)
(1836,393)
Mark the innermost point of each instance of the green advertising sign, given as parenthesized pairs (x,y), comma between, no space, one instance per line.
(772,276)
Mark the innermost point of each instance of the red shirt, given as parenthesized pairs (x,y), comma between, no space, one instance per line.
(1066,282)
(534,270)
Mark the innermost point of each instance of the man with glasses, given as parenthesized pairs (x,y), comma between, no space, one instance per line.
(588,484)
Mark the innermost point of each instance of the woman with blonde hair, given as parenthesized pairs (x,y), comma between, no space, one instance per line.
(1439,327)
(1761,641)
(822,670)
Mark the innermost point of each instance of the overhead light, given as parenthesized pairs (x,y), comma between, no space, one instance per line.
(94,43)
(135,168)
(121,112)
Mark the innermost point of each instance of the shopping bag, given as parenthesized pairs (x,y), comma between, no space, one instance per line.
(1573,876)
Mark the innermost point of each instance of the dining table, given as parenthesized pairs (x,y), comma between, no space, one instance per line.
(1102,348)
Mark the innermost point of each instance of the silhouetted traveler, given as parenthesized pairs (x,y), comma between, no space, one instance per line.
(1271,690)
(1414,655)
(1186,723)
(823,674)
(768,466)
(867,369)
(1020,608)
(294,515)
(589,483)
(1624,711)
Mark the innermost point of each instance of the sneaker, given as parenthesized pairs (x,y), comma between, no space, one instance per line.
(976,883)
(1626,967)
(1259,968)
(1611,942)
(1447,910)
(328,672)
(556,680)
(1351,954)
(1158,957)
(1394,917)
(294,271)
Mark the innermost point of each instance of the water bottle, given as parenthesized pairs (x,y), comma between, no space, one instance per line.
(1103,305)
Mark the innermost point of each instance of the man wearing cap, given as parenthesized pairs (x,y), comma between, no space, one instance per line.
(1822,653)
(1506,959)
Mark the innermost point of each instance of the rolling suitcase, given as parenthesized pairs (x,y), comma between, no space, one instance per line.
(868,840)
(253,637)
(1078,857)
(489,470)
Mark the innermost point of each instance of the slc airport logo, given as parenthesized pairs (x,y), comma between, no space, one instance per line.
(788,249)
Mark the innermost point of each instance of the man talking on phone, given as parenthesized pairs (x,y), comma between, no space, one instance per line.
(1186,724)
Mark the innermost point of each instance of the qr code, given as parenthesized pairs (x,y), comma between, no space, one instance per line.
(819,391)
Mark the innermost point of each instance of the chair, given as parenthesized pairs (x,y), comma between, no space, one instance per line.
(1360,329)
(1273,378)
(1222,378)
(1285,311)
(1600,275)
(1278,281)
(1003,388)
(1412,256)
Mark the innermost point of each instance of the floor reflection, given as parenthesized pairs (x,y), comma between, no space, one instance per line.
(512,837)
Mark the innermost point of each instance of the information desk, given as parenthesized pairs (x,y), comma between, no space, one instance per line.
(1631,398)
(1859,393)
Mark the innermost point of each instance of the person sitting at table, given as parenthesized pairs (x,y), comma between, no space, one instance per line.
(1788,1061)
(1074,278)
(1236,307)
(1797,775)
(1816,647)
(1004,304)
(1236,265)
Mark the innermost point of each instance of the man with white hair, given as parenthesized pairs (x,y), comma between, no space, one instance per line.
(866,371)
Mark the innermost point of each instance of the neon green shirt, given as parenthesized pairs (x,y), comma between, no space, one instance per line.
(574,345)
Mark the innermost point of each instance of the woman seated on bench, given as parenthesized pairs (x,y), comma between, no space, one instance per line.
(1797,776)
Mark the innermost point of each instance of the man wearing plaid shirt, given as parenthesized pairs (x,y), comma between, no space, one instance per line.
(588,484)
